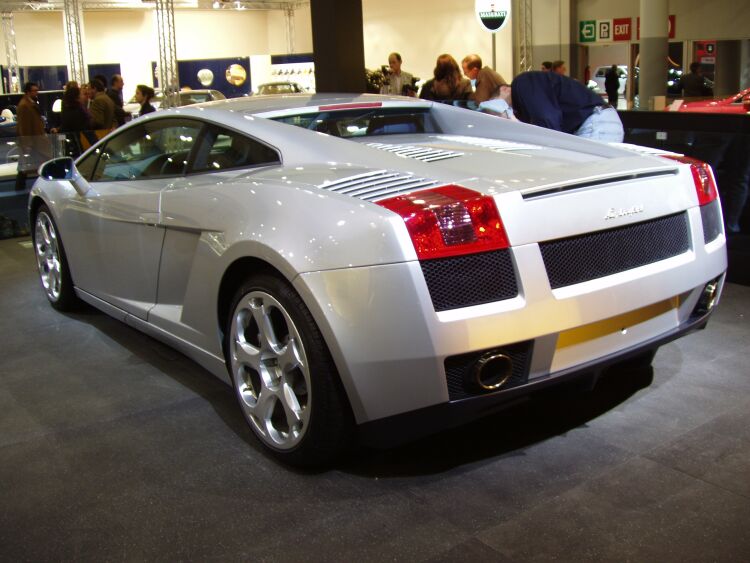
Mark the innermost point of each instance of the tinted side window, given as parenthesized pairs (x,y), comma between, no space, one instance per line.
(87,164)
(222,149)
(156,149)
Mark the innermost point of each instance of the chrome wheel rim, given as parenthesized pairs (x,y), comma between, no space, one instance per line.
(48,255)
(270,370)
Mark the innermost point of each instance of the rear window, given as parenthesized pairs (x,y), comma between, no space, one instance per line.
(366,122)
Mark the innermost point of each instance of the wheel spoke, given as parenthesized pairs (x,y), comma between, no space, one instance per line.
(262,316)
(45,232)
(289,357)
(55,281)
(292,408)
(247,354)
(263,408)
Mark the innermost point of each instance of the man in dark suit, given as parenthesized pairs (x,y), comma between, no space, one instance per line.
(115,94)
(35,147)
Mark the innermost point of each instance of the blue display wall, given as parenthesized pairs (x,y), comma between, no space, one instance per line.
(106,69)
(54,77)
(229,76)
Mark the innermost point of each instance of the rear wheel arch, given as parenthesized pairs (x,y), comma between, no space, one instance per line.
(232,279)
(253,284)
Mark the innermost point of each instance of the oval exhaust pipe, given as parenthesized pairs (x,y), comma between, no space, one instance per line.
(492,371)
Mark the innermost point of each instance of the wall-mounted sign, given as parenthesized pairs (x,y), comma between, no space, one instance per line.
(605,30)
(671,24)
(617,29)
(705,52)
(493,14)
(622,29)
(587,31)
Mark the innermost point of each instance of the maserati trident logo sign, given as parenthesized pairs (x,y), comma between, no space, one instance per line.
(616,213)
(493,14)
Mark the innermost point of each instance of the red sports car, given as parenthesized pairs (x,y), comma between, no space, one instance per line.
(737,103)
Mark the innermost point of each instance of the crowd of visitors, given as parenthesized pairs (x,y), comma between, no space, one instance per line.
(546,97)
(89,111)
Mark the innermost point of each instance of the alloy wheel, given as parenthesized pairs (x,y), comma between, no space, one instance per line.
(270,370)
(47,251)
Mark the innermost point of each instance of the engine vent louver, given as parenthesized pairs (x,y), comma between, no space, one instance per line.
(495,145)
(603,253)
(378,184)
(417,153)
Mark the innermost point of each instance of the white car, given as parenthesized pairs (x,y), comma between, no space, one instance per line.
(279,87)
(379,262)
(187,97)
(597,78)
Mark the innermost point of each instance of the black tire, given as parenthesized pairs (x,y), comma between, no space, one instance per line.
(322,425)
(48,249)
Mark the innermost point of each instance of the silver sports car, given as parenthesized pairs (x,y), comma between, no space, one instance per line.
(379,263)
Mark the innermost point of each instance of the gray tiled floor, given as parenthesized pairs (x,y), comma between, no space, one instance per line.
(115,447)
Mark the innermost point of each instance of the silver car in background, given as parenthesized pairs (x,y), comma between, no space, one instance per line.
(186,98)
(378,263)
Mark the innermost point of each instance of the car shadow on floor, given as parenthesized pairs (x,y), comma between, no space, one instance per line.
(173,364)
(544,415)
(549,413)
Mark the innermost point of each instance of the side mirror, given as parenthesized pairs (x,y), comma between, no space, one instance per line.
(746,103)
(64,168)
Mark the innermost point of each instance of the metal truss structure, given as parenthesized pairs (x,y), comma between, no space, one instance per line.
(73,22)
(289,21)
(169,79)
(522,36)
(9,38)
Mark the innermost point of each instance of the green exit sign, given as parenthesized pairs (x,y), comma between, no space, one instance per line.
(587,31)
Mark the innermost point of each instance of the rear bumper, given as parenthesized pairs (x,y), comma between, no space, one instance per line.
(402,428)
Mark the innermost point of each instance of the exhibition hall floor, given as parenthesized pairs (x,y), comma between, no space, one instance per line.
(115,447)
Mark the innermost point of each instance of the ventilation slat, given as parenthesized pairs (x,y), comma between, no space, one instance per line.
(425,154)
(377,185)
(387,193)
(390,180)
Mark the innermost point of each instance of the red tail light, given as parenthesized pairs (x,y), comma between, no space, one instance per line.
(449,221)
(703,178)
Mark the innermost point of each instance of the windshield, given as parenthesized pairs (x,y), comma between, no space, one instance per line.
(366,122)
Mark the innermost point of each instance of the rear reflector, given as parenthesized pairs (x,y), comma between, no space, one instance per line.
(703,178)
(449,221)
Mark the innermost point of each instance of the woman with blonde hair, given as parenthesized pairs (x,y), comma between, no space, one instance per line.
(447,84)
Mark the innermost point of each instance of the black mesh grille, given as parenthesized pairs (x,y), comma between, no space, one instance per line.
(595,255)
(463,281)
(459,370)
(711,219)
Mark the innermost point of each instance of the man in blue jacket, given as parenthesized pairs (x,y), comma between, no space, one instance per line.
(558,102)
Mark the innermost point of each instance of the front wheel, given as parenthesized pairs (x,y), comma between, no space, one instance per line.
(52,262)
(285,380)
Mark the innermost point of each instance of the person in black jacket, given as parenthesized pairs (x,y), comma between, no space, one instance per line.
(550,100)
(612,84)
(75,119)
(143,95)
(447,84)
(693,83)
